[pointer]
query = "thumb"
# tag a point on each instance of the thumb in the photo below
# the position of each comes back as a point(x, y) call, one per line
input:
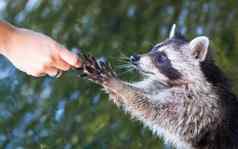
point(70, 57)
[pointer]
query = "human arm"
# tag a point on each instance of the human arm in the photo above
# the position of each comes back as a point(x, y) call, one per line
point(34, 53)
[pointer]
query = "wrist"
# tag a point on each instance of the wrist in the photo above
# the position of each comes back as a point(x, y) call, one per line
point(7, 32)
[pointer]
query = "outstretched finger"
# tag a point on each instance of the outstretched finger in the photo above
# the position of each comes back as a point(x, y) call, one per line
point(70, 58)
point(61, 64)
point(51, 71)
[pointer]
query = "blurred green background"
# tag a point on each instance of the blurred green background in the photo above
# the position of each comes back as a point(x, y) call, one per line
point(72, 113)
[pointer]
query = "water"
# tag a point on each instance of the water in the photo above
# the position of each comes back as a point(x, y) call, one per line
point(69, 112)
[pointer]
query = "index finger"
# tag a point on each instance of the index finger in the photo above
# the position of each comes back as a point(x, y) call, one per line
point(70, 58)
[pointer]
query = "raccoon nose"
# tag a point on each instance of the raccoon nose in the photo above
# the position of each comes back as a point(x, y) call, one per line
point(134, 58)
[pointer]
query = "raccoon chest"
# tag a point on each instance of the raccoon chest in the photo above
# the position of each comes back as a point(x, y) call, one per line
point(170, 138)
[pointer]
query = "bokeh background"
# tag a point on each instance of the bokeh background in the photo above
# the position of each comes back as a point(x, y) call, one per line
point(72, 113)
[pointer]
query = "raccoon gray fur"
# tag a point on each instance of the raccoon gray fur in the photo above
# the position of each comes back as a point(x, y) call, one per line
point(183, 98)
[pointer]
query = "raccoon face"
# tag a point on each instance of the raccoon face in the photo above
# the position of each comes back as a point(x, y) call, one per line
point(173, 59)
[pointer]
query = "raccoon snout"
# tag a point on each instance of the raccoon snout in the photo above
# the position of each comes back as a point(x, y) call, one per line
point(134, 58)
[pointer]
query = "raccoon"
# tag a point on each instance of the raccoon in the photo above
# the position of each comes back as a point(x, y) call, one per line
point(183, 98)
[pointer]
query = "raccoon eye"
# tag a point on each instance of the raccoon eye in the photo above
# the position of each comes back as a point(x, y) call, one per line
point(161, 58)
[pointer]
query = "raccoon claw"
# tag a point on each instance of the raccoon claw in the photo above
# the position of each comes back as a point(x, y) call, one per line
point(96, 70)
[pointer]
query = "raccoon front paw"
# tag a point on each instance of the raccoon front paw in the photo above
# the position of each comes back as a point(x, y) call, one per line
point(98, 71)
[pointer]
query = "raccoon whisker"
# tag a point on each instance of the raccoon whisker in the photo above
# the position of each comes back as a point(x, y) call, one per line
point(129, 70)
point(125, 66)
point(123, 54)
point(123, 61)
point(134, 66)
point(122, 69)
point(124, 58)
point(120, 59)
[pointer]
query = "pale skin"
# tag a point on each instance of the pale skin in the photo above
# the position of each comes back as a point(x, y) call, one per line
point(35, 53)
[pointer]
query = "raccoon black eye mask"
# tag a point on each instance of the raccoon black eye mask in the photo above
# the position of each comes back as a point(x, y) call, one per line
point(164, 65)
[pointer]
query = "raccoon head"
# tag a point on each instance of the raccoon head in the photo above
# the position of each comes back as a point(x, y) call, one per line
point(173, 60)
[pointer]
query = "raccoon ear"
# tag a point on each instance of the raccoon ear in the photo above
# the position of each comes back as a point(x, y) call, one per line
point(199, 47)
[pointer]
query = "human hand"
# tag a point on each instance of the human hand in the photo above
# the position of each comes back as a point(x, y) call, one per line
point(37, 54)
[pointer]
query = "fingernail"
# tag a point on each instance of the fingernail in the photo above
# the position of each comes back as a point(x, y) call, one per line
point(78, 64)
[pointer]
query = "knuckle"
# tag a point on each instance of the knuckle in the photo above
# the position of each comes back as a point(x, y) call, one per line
point(74, 59)
point(50, 61)
point(46, 64)
point(66, 67)
point(52, 74)
point(35, 74)
point(42, 68)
